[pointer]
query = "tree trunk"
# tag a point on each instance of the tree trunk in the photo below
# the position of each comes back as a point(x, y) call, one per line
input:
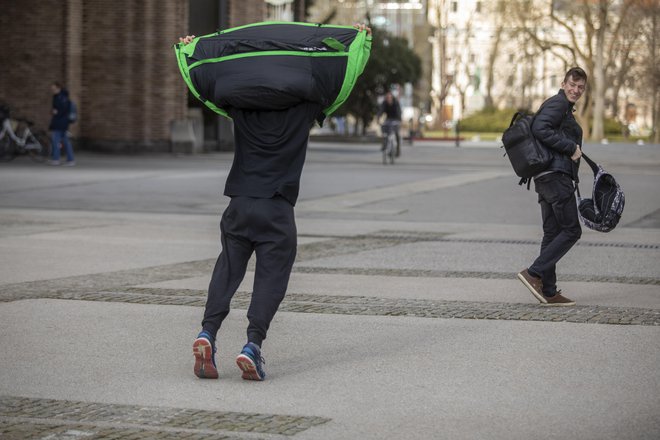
point(584, 114)
point(654, 71)
point(598, 131)
point(656, 118)
point(490, 78)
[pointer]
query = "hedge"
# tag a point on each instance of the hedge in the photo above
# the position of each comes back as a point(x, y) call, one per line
point(493, 120)
point(487, 120)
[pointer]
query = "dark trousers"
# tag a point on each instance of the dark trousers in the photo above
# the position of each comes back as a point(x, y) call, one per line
point(397, 153)
point(266, 227)
point(561, 226)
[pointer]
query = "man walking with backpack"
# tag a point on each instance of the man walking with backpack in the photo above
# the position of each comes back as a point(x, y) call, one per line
point(556, 128)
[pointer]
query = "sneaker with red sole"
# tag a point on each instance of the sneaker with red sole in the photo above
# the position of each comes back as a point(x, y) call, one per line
point(204, 352)
point(251, 363)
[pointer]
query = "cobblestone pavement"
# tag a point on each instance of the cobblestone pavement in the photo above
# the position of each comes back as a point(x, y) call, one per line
point(363, 305)
point(28, 418)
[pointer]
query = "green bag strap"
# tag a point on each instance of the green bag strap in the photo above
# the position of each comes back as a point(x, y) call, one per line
point(358, 55)
point(181, 52)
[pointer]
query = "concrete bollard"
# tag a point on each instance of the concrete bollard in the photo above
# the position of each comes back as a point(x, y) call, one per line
point(182, 137)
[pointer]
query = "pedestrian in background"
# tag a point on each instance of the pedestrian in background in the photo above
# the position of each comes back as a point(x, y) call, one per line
point(556, 128)
point(59, 124)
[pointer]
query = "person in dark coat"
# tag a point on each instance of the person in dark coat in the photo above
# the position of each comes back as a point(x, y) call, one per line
point(263, 184)
point(59, 124)
point(556, 128)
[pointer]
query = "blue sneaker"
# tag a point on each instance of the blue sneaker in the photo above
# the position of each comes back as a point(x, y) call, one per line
point(204, 352)
point(251, 362)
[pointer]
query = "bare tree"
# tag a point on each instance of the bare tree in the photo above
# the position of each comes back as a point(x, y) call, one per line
point(446, 80)
point(622, 52)
point(650, 63)
point(499, 16)
point(593, 29)
point(462, 65)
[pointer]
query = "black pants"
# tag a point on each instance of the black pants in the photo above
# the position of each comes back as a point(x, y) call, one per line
point(561, 226)
point(266, 227)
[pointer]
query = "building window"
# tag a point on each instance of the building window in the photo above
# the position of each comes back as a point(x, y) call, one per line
point(454, 6)
point(478, 8)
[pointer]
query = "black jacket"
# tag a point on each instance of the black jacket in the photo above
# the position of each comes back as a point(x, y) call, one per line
point(270, 151)
point(555, 126)
point(393, 110)
point(61, 103)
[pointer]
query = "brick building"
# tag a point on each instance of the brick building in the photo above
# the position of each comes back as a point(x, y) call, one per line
point(116, 59)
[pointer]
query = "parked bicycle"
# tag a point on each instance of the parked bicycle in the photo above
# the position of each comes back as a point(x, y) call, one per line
point(17, 137)
point(389, 129)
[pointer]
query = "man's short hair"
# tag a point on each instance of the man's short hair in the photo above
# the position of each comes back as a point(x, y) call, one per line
point(575, 73)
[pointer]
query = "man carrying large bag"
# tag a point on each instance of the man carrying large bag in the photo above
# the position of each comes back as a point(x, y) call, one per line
point(556, 128)
point(273, 80)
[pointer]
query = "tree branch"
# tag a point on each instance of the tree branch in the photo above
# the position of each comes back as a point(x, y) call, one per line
point(571, 32)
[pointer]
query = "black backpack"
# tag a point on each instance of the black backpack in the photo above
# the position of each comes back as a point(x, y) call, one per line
point(527, 155)
point(603, 211)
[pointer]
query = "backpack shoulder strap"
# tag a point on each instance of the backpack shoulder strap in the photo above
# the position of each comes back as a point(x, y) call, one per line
point(592, 164)
point(515, 116)
point(525, 180)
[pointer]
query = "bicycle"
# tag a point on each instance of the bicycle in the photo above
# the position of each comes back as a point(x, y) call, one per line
point(17, 138)
point(389, 129)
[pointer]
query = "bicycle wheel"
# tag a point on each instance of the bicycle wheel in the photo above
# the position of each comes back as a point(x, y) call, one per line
point(38, 146)
point(7, 149)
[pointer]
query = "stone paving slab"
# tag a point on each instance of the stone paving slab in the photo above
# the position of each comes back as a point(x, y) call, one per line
point(327, 255)
point(511, 290)
point(501, 258)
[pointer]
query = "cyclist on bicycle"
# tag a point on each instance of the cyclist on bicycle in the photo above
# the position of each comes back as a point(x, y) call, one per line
point(392, 110)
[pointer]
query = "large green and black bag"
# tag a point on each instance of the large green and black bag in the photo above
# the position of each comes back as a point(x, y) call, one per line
point(274, 65)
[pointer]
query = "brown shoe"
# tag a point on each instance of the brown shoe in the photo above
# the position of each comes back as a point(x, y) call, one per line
point(558, 300)
point(534, 284)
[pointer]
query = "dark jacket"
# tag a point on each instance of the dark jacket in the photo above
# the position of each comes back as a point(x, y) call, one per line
point(61, 103)
point(270, 151)
point(555, 126)
point(392, 111)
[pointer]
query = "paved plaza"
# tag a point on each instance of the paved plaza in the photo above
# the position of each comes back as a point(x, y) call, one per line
point(404, 317)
